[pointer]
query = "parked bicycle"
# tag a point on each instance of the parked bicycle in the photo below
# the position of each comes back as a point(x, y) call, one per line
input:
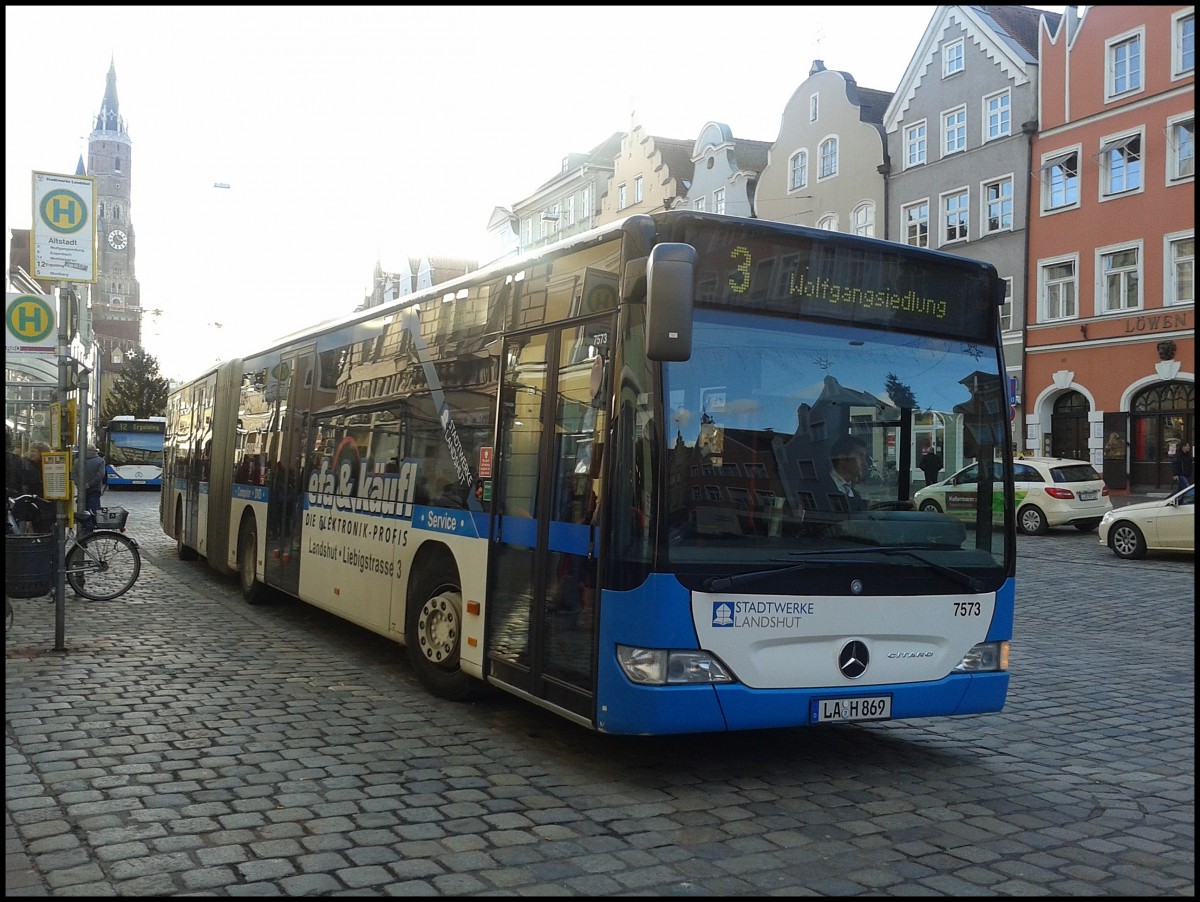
point(100, 565)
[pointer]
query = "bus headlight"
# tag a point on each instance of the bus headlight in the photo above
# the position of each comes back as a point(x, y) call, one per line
point(664, 666)
point(986, 657)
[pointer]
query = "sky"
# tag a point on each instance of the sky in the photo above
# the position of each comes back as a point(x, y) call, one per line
point(349, 135)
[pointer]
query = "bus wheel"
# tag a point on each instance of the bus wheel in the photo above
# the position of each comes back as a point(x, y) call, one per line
point(434, 637)
point(253, 591)
point(185, 553)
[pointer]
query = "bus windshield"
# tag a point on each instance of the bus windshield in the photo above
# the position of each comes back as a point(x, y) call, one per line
point(788, 437)
point(133, 451)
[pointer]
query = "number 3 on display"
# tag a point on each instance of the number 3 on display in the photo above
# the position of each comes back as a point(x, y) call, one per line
point(737, 285)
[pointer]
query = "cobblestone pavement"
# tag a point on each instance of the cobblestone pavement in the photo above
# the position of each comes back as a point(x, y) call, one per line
point(185, 743)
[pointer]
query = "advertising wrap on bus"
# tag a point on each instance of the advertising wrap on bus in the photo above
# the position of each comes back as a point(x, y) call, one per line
point(680, 504)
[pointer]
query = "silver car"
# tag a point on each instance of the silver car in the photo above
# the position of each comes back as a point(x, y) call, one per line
point(1167, 524)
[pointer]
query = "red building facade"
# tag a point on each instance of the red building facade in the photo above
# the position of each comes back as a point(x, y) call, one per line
point(1110, 346)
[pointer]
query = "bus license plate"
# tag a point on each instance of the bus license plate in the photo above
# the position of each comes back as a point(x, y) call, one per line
point(870, 707)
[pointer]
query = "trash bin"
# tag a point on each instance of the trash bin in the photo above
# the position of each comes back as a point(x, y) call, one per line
point(28, 565)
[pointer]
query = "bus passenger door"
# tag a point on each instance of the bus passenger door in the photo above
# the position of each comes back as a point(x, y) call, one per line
point(288, 390)
point(542, 616)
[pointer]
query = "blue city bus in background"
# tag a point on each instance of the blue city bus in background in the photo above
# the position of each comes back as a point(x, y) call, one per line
point(599, 476)
point(132, 448)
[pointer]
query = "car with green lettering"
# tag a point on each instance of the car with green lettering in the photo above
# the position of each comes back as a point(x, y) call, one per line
point(1048, 491)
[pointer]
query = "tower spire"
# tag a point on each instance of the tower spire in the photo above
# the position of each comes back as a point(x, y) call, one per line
point(109, 118)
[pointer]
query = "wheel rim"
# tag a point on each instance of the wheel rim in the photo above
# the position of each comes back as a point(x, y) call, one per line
point(1124, 540)
point(439, 625)
point(1031, 520)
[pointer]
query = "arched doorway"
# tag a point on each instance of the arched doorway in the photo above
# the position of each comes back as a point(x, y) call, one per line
point(1159, 418)
point(1069, 427)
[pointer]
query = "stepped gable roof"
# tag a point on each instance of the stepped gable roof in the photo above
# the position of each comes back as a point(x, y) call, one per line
point(1021, 24)
point(676, 156)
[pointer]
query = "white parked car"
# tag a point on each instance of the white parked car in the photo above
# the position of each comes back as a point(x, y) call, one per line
point(1167, 524)
point(1049, 491)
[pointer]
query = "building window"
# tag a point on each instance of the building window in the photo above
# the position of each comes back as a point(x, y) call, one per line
point(1006, 309)
point(585, 204)
point(813, 107)
point(1183, 44)
point(953, 58)
point(828, 222)
point(998, 206)
point(956, 211)
point(914, 145)
point(954, 131)
point(1181, 270)
point(829, 157)
point(997, 115)
point(798, 170)
point(571, 210)
point(1181, 148)
point(1060, 181)
point(1124, 74)
point(637, 190)
point(621, 197)
point(699, 204)
point(527, 231)
point(719, 200)
point(1057, 290)
point(116, 164)
point(916, 224)
point(862, 219)
point(1119, 278)
point(1121, 165)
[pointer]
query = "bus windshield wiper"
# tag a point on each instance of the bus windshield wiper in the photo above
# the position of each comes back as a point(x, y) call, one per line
point(963, 579)
point(721, 583)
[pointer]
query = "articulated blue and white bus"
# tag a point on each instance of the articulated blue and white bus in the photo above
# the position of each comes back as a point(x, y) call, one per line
point(626, 477)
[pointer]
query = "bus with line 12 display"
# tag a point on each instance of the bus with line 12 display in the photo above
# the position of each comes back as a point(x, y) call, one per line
point(132, 448)
point(628, 477)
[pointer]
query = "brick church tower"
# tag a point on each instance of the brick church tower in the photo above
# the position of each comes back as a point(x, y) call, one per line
point(116, 307)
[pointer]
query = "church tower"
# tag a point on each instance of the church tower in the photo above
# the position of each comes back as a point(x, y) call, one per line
point(116, 307)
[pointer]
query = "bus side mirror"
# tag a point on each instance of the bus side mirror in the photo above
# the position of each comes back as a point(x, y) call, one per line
point(670, 283)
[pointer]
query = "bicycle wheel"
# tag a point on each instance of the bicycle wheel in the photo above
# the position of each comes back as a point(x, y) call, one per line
point(103, 565)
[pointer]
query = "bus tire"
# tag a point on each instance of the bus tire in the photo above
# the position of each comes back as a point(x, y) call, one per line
point(253, 592)
point(433, 633)
point(185, 553)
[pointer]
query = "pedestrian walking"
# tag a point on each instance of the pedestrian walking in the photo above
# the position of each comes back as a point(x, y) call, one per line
point(95, 480)
point(931, 464)
point(1181, 466)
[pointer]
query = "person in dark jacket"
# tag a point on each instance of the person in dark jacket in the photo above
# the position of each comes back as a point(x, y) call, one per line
point(931, 465)
point(95, 481)
point(1181, 466)
point(836, 491)
point(14, 468)
point(33, 470)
